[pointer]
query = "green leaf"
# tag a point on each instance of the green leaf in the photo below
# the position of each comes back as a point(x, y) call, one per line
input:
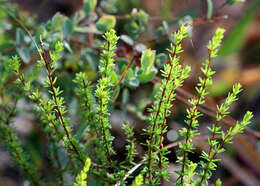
point(67, 26)
point(130, 79)
point(236, 1)
point(114, 77)
point(122, 63)
point(140, 47)
point(125, 96)
point(147, 71)
point(67, 46)
point(147, 60)
point(133, 83)
point(54, 23)
point(160, 59)
point(106, 23)
point(210, 9)
point(41, 32)
point(147, 77)
point(24, 54)
point(89, 5)
point(128, 40)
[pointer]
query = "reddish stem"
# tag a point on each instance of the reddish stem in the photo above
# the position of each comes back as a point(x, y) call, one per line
point(56, 103)
point(154, 124)
point(161, 137)
point(192, 119)
point(210, 150)
point(126, 70)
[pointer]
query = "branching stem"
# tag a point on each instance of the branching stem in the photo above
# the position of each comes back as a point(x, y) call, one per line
point(156, 116)
point(192, 118)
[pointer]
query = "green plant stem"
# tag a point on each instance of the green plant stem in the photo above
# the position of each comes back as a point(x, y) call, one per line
point(35, 182)
point(154, 123)
point(89, 109)
point(59, 169)
point(38, 101)
point(212, 158)
point(210, 151)
point(48, 68)
point(104, 134)
point(161, 136)
point(127, 69)
point(17, 154)
point(192, 118)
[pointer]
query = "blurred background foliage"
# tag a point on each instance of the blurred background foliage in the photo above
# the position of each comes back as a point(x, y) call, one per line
point(141, 24)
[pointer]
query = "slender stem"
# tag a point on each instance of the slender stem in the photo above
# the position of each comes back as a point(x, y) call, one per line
point(192, 118)
point(59, 166)
point(89, 109)
point(101, 106)
point(37, 100)
point(48, 68)
point(104, 133)
point(210, 150)
point(183, 95)
point(172, 145)
point(161, 136)
point(35, 182)
point(11, 140)
point(126, 70)
point(213, 157)
point(154, 123)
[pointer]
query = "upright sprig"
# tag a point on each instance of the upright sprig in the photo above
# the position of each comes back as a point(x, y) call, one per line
point(193, 113)
point(222, 111)
point(87, 101)
point(104, 92)
point(216, 146)
point(130, 147)
point(226, 138)
point(173, 77)
point(13, 144)
point(129, 162)
point(57, 101)
point(44, 108)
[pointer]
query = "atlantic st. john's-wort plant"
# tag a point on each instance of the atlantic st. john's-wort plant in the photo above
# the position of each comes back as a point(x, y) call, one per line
point(84, 152)
point(93, 158)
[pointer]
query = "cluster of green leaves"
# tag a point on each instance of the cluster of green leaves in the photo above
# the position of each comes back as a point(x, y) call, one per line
point(52, 111)
point(174, 76)
point(104, 93)
point(137, 24)
point(14, 146)
point(8, 135)
point(215, 145)
point(187, 172)
point(193, 113)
